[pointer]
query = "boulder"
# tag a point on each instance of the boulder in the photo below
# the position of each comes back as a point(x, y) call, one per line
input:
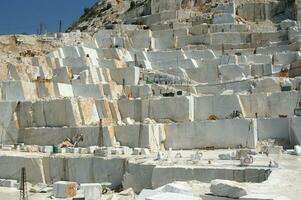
point(92, 191)
point(227, 188)
point(297, 149)
point(177, 187)
point(64, 189)
point(38, 188)
point(285, 24)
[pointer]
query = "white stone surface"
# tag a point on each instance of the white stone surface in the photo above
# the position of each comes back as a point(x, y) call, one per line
point(171, 196)
point(226, 188)
point(92, 191)
point(207, 133)
point(176, 187)
point(64, 189)
point(263, 197)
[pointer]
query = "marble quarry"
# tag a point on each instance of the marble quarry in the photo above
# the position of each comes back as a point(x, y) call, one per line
point(176, 102)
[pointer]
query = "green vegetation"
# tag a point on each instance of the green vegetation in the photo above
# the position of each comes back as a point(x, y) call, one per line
point(86, 10)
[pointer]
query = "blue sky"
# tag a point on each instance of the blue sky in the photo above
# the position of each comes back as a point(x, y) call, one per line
point(18, 16)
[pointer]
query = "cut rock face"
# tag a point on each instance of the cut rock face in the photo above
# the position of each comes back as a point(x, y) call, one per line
point(225, 188)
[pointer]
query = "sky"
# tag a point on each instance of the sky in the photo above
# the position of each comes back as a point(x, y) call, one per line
point(25, 16)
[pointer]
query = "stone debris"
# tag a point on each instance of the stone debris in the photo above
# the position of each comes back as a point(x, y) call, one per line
point(225, 188)
point(41, 188)
point(8, 183)
point(128, 192)
point(123, 195)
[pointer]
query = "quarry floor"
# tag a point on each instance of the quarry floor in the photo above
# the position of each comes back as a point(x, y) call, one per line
point(284, 180)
